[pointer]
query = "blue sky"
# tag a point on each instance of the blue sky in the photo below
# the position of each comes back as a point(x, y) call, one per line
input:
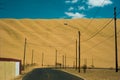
point(48, 9)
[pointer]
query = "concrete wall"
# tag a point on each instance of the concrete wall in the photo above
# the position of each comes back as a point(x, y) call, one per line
point(8, 70)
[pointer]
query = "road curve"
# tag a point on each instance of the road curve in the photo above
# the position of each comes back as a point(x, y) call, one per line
point(49, 74)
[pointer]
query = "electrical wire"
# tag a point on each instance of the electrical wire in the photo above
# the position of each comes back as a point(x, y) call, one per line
point(96, 12)
point(99, 43)
point(98, 31)
point(117, 13)
point(101, 29)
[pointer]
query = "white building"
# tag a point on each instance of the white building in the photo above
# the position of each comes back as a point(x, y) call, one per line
point(9, 68)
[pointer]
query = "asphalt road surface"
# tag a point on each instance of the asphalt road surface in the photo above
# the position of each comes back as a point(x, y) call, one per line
point(49, 74)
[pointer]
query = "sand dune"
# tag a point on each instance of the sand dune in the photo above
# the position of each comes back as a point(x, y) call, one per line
point(44, 36)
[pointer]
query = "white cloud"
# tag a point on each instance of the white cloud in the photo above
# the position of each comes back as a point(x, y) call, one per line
point(71, 8)
point(75, 15)
point(74, 1)
point(67, 1)
point(71, 1)
point(98, 3)
point(81, 8)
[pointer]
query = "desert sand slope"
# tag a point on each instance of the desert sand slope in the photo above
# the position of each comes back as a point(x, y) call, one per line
point(45, 36)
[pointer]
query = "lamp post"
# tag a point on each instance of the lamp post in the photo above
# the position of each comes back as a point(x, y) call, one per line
point(78, 45)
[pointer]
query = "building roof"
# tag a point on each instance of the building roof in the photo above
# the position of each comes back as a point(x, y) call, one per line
point(10, 59)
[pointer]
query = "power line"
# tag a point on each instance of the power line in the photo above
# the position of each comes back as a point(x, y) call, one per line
point(72, 41)
point(117, 13)
point(99, 43)
point(92, 21)
point(98, 31)
point(96, 12)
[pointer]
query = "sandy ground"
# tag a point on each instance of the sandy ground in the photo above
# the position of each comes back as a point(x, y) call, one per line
point(96, 74)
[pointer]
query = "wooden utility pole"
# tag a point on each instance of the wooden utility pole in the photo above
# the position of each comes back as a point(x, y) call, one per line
point(56, 59)
point(79, 51)
point(63, 60)
point(42, 58)
point(24, 57)
point(32, 57)
point(116, 51)
point(76, 54)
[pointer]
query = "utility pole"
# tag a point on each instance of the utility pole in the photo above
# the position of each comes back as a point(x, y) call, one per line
point(116, 51)
point(56, 59)
point(32, 57)
point(63, 60)
point(24, 57)
point(79, 51)
point(76, 55)
point(42, 58)
point(92, 63)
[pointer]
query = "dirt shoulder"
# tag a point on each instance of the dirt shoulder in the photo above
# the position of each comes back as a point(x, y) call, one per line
point(95, 74)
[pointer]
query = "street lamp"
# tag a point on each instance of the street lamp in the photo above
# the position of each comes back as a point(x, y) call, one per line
point(78, 45)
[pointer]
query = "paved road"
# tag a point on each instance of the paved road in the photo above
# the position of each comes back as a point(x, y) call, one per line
point(49, 74)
